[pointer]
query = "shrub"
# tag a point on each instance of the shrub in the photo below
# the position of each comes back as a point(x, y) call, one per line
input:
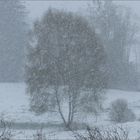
point(98, 134)
point(5, 130)
point(39, 135)
point(120, 112)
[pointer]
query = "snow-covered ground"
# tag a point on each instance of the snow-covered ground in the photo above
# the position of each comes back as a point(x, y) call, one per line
point(14, 106)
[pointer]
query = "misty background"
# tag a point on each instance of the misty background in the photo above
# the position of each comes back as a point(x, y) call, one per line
point(69, 65)
point(35, 9)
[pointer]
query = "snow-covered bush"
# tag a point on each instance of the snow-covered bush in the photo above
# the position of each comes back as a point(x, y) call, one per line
point(5, 130)
point(39, 135)
point(120, 112)
point(98, 134)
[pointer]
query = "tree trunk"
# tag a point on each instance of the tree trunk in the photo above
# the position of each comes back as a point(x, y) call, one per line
point(59, 107)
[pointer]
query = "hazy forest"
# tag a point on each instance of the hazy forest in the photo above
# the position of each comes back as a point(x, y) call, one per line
point(69, 70)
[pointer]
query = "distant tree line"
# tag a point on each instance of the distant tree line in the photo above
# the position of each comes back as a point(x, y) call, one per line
point(117, 28)
point(13, 33)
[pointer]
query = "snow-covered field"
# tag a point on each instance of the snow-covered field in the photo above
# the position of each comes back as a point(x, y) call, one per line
point(14, 106)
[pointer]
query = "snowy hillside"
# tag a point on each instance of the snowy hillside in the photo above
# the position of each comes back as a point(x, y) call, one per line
point(14, 102)
point(14, 105)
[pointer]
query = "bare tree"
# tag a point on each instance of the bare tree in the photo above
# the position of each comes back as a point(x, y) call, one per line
point(65, 64)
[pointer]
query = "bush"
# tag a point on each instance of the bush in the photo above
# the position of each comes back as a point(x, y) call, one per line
point(39, 135)
point(120, 112)
point(5, 130)
point(98, 134)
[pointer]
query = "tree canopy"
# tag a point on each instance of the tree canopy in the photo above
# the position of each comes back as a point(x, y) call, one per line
point(66, 55)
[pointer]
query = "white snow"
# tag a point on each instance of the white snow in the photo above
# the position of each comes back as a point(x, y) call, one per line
point(14, 106)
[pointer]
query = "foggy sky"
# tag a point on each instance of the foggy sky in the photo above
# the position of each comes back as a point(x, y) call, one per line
point(38, 7)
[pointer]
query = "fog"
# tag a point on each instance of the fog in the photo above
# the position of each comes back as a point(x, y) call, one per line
point(37, 8)
point(69, 70)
